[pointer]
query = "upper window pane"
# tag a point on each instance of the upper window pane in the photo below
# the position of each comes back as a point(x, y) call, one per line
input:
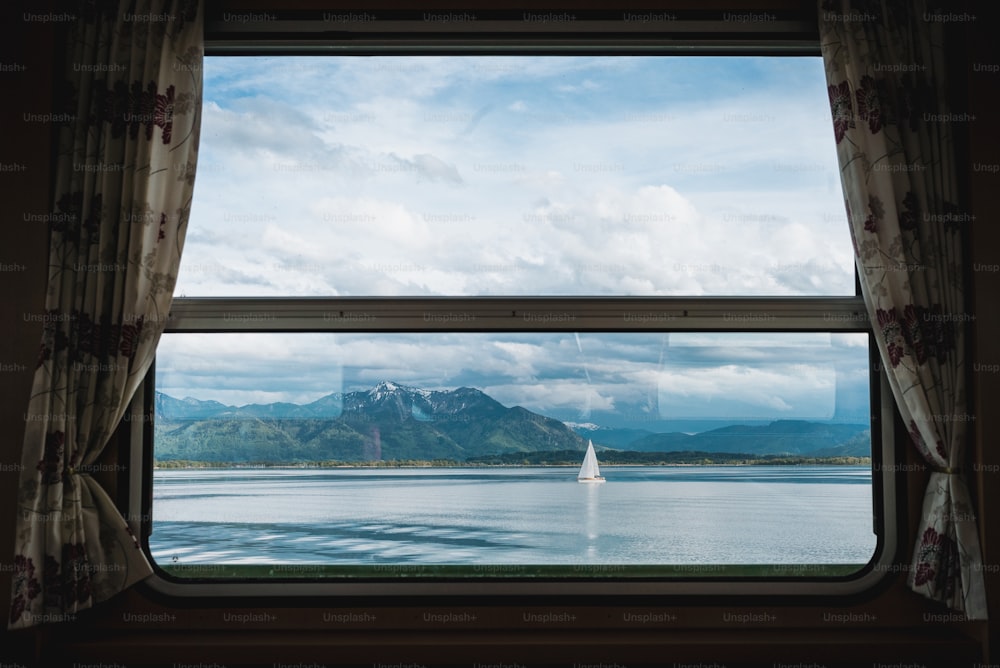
point(527, 175)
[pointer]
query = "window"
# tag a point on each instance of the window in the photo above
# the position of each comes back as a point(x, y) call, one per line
point(516, 176)
point(415, 287)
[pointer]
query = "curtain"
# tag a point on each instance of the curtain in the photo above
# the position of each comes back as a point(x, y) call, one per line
point(886, 79)
point(122, 193)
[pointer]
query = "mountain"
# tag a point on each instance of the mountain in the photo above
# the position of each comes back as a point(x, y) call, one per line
point(387, 422)
point(609, 437)
point(797, 437)
point(188, 409)
point(859, 445)
point(395, 422)
point(169, 408)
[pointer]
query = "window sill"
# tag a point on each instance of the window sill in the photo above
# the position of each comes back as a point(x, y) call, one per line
point(743, 647)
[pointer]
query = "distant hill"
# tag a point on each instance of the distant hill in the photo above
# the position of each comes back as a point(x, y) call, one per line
point(169, 408)
point(611, 437)
point(396, 422)
point(795, 437)
point(687, 457)
point(859, 445)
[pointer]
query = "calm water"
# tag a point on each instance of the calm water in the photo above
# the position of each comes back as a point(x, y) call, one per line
point(642, 515)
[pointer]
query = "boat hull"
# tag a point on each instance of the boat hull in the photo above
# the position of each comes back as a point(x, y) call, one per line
point(591, 480)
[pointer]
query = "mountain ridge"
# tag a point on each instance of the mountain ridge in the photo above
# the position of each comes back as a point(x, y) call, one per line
point(392, 421)
point(387, 421)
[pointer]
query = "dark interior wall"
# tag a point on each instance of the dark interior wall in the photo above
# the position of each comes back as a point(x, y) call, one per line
point(799, 6)
point(26, 63)
point(24, 181)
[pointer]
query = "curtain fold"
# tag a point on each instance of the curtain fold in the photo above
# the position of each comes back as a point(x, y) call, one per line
point(886, 77)
point(123, 185)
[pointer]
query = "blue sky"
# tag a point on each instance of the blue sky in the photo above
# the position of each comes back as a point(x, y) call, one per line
point(679, 176)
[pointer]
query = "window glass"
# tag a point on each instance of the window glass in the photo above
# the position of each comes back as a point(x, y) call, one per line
point(463, 449)
point(516, 175)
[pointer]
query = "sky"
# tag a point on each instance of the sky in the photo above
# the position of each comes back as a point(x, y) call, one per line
point(472, 176)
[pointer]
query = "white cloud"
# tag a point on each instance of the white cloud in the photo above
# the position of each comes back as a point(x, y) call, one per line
point(791, 390)
point(614, 217)
point(584, 86)
point(550, 396)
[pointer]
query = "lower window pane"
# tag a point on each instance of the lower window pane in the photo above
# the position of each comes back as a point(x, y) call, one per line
point(461, 454)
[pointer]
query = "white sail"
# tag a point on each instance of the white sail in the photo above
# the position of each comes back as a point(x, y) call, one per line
point(590, 471)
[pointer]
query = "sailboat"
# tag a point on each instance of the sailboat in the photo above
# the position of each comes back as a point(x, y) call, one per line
point(590, 471)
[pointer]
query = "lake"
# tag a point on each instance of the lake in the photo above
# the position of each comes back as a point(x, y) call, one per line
point(642, 515)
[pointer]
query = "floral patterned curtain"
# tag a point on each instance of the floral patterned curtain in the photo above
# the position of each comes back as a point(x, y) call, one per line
point(123, 186)
point(885, 73)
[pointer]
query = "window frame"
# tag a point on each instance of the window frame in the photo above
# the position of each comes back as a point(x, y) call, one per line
point(590, 314)
point(220, 315)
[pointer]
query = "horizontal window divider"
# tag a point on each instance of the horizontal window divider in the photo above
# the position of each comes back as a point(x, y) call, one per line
point(361, 44)
point(620, 22)
point(371, 314)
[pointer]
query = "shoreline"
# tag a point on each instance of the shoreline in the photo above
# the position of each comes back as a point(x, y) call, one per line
point(740, 462)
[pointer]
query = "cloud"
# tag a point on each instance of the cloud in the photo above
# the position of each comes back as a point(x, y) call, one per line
point(810, 394)
point(584, 86)
point(475, 120)
point(551, 396)
point(638, 199)
point(434, 168)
